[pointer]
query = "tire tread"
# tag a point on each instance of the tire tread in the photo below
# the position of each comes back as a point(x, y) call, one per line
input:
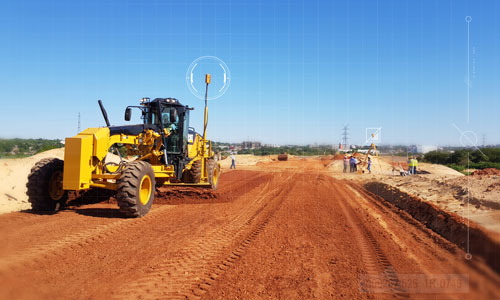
point(127, 194)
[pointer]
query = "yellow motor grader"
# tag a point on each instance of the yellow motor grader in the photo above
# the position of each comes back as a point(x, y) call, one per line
point(165, 151)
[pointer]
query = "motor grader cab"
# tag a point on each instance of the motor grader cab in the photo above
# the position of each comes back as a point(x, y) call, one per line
point(163, 149)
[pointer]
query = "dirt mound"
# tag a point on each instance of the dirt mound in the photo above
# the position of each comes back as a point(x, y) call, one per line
point(492, 187)
point(338, 157)
point(282, 157)
point(449, 225)
point(487, 171)
point(185, 195)
point(246, 160)
point(357, 154)
point(423, 168)
point(439, 170)
point(396, 164)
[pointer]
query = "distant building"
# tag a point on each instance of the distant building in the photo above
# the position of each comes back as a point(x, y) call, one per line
point(250, 145)
point(422, 148)
point(236, 148)
point(426, 148)
point(271, 145)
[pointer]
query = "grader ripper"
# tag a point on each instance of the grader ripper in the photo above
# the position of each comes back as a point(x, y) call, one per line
point(166, 150)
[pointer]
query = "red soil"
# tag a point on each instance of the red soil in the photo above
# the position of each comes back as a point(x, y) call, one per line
point(487, 171)
point(287, 233)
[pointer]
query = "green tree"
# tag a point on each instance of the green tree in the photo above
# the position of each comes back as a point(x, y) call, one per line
point(459, 157)
point(437, 157)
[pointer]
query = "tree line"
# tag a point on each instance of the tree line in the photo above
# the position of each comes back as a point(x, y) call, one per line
point(466, 158)
point(12, 148)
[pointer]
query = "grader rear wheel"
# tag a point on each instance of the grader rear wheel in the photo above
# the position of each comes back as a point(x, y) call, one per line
point(136, 189)
point(45, 191)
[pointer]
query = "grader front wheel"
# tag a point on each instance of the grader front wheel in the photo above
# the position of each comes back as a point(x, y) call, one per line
point(136, 189)
point(194, 174)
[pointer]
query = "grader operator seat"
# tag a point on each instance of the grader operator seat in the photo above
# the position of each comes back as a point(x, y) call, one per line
point(170, 120)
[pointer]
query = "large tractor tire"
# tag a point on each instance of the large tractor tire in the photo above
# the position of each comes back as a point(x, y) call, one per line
point(45, 186)
point(213, 170)
point(136, 189)
point(194, 174)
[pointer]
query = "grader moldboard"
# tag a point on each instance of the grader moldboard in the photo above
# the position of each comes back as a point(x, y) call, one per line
point(166, 150)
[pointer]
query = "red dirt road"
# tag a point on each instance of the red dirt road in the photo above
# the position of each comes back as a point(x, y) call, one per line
point(283, 234)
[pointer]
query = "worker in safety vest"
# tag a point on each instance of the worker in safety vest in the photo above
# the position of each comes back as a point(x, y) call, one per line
point(410, 165)
point(415, 165)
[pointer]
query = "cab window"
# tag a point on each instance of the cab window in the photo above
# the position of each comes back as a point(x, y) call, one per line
point(170, 120)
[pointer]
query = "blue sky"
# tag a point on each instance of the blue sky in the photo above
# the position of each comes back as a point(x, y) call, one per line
point(300, 70)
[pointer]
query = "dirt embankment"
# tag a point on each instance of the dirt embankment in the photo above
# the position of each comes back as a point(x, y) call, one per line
point(487, 171)
point(466, 234)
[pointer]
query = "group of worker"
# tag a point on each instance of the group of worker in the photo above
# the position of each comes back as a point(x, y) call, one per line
point(412, 165)
point(353, 162)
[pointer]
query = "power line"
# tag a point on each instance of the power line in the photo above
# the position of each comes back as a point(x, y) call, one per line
point(345, 136)
point(79, 123)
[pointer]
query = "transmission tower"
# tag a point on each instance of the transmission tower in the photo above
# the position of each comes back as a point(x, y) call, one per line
point(345, 136)
point(484, 140)
point(79, 128)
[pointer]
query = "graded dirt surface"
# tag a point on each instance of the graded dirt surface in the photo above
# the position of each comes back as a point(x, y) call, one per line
point(274, 230)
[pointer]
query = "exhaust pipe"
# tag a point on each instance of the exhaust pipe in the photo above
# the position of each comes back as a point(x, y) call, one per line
point(104, 113)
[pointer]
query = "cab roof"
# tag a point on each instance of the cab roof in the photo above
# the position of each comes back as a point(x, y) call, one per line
point(168, 101)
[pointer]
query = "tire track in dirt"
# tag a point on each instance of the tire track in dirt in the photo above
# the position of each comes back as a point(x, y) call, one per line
point(79, 239)
point(375, 261)
point(57, 245)
point(190, 273)
point(302, 253)
point(209, 277)
point(322, 274)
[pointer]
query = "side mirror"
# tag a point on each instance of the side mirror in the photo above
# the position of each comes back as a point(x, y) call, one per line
point(128, 114)
point(173, 115)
